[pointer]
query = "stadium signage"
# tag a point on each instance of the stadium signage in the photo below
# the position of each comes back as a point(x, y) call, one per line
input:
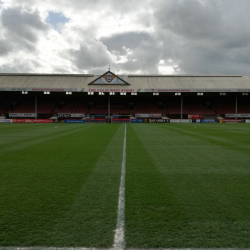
point(195, 116)
point(230, 121)
point(111, 90)
point(22, 115)
point(148, 115)
point(74, 121)
point(109, 78)
point(209, 121)
point(5, 120)
point(59, 90)
point(159, 120)
point(122, 90)
point(32, 121)
point(137, 120)
point(180, 121)
point(237, 115)
point(71, 115)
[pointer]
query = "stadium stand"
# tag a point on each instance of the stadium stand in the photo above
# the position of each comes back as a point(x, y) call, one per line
point(199, 108)
point(175, 108)
point(70, 107)
point(145, 94)
point(244, 108)
point(225, 108)
point(24, 107)
point(148, 108)
point(45, 107)
point(4, 108)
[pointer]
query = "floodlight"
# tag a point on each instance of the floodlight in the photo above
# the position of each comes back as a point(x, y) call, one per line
point(199, 93)
point(244, 93)
point(111, 93)
point(177, 93)
point(155, 93)
point(135, 93)
point(24, 92)
point(222, 93)
point(46, 92)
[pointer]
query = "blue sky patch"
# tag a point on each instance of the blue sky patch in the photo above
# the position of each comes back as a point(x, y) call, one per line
point(56, 17)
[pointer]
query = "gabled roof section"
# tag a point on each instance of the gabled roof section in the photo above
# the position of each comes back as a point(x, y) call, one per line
point(109, 78)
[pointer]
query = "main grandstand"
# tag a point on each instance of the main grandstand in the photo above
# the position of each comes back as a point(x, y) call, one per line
point(109, 98)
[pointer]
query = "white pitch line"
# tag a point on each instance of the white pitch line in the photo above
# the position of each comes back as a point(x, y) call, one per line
point(119, 240)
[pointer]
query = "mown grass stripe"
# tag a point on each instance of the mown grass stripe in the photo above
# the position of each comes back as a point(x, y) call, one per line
point(34, 140)
point(63, 193)
point(183, 190)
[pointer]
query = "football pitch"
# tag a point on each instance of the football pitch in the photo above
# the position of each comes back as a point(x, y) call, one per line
point(185, 185)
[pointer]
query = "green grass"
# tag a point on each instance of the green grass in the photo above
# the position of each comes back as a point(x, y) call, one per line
point(59, 187)
point(187, 185)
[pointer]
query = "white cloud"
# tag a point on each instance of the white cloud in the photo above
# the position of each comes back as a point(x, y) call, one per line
point(200, 36)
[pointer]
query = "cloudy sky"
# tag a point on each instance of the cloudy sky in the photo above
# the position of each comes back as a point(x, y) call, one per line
point(142, 36)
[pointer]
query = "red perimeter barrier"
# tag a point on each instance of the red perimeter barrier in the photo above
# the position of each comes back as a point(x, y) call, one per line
point(32, 121)
point(231, 121)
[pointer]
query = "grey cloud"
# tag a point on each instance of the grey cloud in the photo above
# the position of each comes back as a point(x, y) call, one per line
point(200, 36)
point(21, 30)
point(189, 18)
point(145, 50)
point(23, 25)
point(211, 36)
point(5, 47)
point(20, 68)
point(91, 54)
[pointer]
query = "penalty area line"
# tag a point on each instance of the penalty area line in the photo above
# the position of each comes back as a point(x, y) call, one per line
point(119, 239)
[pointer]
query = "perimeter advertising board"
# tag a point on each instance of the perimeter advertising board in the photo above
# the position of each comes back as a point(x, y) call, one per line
point(32, 120)
point(148, 115)
point(195, 116)
point(137, 120)
point(159, 120)
point(22, 115)
point(5, 120)
point(231, 121)
point(74, 121)
point(180, 121)
point(209, 121)
point(237, 115)
point(71, 115)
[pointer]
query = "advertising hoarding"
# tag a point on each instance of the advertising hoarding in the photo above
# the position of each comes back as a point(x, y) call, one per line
point(5, 120)
point(231, 121)
point(148, 115)
point(22, 115)
point(209, 121)
point(74, 121)
point(137, 120)
point(195, 116)
point(32, 120)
